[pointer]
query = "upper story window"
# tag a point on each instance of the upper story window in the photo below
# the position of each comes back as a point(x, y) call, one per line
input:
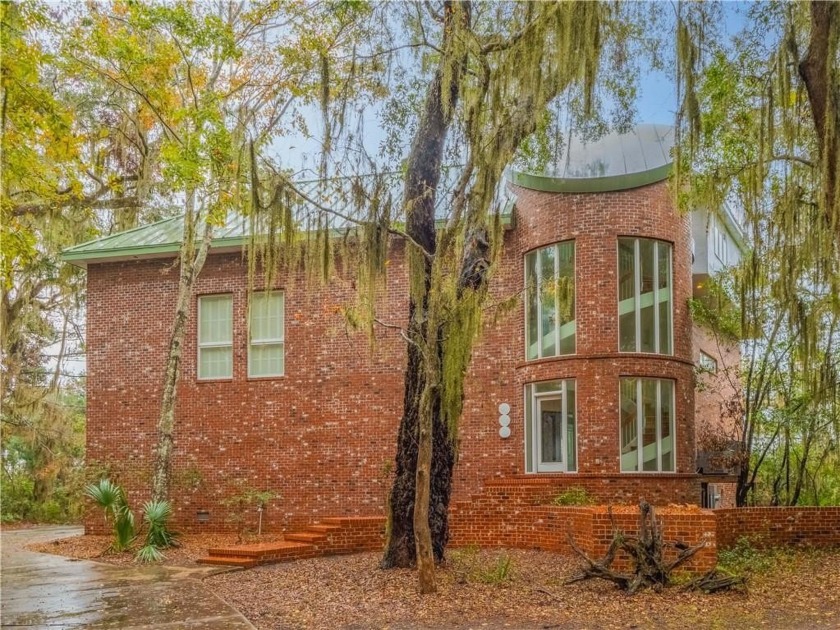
point(645, 311)
point(647, 425)
point(719, 244)
point(215, 336)
point(550, 301)
point(707, 363)
point(266, 346)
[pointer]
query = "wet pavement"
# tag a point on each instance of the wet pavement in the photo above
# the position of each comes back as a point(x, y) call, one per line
point(46, 591)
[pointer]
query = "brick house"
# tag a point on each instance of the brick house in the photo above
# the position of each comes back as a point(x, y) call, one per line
point(589, 382)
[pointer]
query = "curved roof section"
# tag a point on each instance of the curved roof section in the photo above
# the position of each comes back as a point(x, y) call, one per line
point(616, 161)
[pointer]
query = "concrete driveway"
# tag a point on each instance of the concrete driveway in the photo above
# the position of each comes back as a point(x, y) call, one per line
point(45, 591)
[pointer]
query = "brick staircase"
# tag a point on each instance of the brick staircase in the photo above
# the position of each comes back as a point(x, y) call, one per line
point(332, 536)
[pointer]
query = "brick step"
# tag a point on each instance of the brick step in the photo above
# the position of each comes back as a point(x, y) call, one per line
point(352, 520)
point(260, 551)
point(228, 561)
point(323, 528)
point(306, 537)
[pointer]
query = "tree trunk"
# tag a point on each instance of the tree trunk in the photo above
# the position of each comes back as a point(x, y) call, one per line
point(191, 263)
point(422, 177)
point(824, 97)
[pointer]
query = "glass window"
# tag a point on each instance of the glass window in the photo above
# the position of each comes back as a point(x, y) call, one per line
point(707, 363)
point(645, 313)
point(646, 430)
point(550, 427)
point(550, 301)
point(266, 348)
point(215, 336)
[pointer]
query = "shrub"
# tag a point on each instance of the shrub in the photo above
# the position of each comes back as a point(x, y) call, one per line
point(498, 573)
point(574, 496)
point(743, 558)
point(158, 535)
point(111, 498)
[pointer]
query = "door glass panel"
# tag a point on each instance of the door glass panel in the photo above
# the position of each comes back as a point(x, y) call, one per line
point(551, 430)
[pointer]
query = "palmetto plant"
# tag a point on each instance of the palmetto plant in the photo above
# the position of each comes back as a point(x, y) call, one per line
point(158, 535)
point(111, 498)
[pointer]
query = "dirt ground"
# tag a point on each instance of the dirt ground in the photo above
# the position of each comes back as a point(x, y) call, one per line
point(498, 589)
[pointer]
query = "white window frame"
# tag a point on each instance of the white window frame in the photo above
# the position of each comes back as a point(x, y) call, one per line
point(640, 426)
point(272, 341)
point(572, 325)
point(637, 298)
point(213, 344)
point(535, 466)
point(720, 244)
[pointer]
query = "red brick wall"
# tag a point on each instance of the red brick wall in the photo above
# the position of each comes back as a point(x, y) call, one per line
point(324, 435)
point(508, 521)
point(777, 526)
point(716, 392)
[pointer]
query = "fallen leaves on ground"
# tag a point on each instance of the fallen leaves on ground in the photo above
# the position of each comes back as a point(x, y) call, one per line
point(352, 592)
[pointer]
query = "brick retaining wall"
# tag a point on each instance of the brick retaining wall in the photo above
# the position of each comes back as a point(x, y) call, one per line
point(776, 526)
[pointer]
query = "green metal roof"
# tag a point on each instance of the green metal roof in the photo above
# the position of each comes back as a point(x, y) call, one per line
point(163, 238)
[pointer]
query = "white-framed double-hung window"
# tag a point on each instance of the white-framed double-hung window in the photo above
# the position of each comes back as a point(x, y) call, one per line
point(645, 301)
point(550, 301)
point(266, 347)
point(215, 337)
point(646, 433)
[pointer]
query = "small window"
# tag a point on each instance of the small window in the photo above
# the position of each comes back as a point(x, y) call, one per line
point(707, 363)
point(645, 312)
point(720, 244)
point(215, 336)
point(550, 427)
point(266, 347)
point(647, 425)
point(550, 301)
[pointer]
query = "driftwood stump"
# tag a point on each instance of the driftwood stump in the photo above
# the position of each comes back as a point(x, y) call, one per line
point(646, 551)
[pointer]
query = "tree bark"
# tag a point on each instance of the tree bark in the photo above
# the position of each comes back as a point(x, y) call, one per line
point(422, 178)
point(824, 97)
point(191, 263)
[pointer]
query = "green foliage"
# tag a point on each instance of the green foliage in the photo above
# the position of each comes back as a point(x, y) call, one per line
point(469, 565)
point(245, 505)
point(156, 515)
point(744, 558)
point(573, 496)
point(111, 498)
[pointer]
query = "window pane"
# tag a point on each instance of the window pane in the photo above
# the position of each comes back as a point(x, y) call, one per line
point(215, 362)
point(548, 296)
point(647, 329)
point(531, 308)
point(629, 442)
point(626, 295)
point(566, 296)
point(571, 442)
point(266, 316)
point(216, 319)
point(551, 430)
point(650, 459)
point(664, 283)
point(266, 360)
point(667, 411)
